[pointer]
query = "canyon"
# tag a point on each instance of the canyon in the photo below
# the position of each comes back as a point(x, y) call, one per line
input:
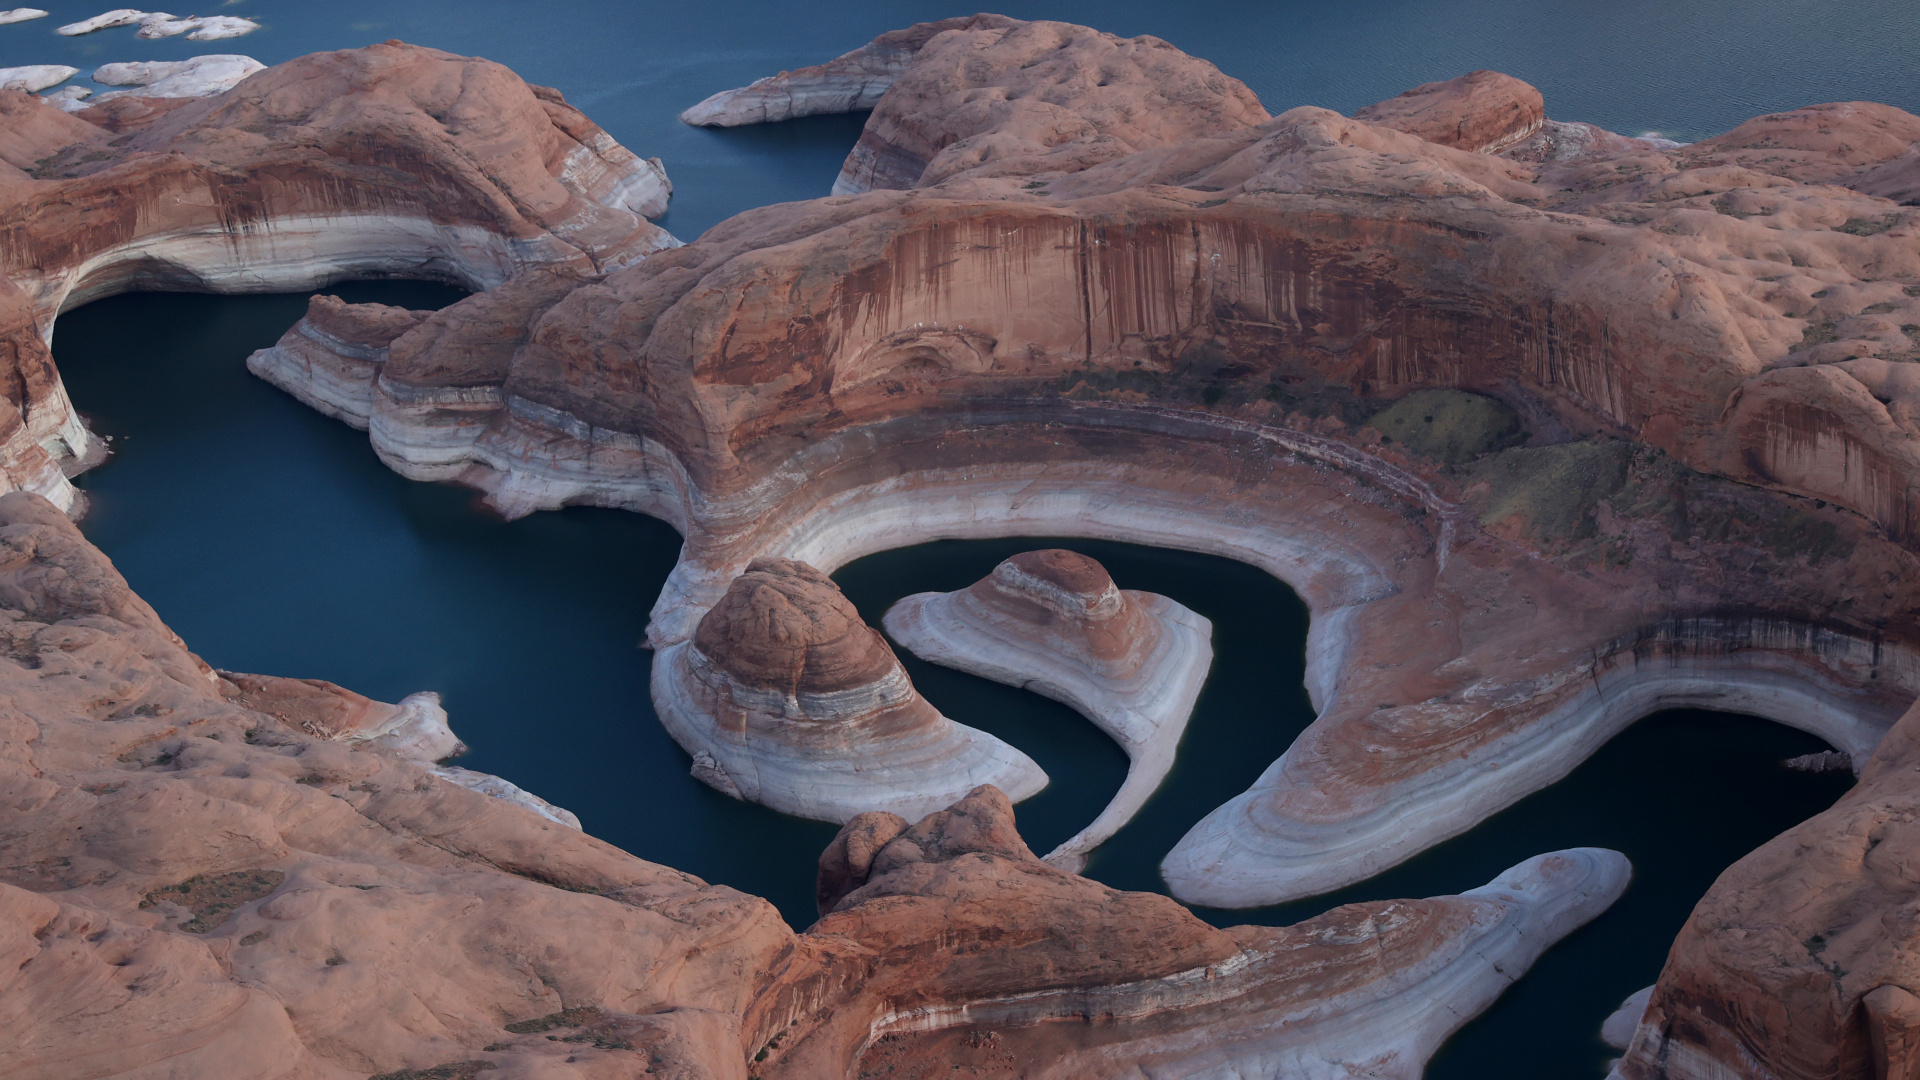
point(1550, 427)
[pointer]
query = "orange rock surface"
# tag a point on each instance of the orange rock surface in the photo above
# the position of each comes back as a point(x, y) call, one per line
point(1652, 440)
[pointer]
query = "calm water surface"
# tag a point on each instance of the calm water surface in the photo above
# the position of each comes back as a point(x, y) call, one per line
point(274, 541)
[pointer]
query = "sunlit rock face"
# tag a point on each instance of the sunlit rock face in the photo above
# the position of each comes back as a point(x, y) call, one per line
point(785, 697)
point(1054, 622)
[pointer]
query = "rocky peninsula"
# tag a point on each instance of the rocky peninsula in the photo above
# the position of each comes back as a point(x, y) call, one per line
point(1054, 622)
point(1550, 427)
point(785, 697)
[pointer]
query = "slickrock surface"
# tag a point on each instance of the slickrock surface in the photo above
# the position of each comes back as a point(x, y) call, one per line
point(1185, 346)
point(205, 875)
point(331, 358)
point(851, 82)
point(785, 697)
point(1481, 110)
point(14, 15)
point(1028, 98)
point(1799, 962)
point(1366, 990)
point(1054, 622)
point(370, 161)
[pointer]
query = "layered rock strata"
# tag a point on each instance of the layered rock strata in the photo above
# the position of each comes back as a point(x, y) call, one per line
point(1182, 346)
point(203, 874)
point(1164, 994)
point(852, 82)
point(785, 697)
point(331, 358)
point(1054, 622)
point(201, 76)
point(377, 161)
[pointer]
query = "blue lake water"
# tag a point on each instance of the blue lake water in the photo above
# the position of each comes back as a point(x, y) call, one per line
point(274, 541)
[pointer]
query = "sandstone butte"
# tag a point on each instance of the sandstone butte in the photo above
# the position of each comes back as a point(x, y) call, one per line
point(1549, 427)
point(785, 697)
point(1054, 622)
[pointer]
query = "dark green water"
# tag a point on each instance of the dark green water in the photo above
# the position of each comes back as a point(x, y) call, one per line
point(272, 539)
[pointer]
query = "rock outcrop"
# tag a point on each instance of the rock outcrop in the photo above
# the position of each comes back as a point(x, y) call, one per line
point(1368, 989)
point(1054, 622)
point(201, 76)
point(1483, 111)
point(851, 82)
point(1183, 345)
point(389, 159)
point(785, 697)
point(1801, 961)
point(206, 875)
point(331, 358)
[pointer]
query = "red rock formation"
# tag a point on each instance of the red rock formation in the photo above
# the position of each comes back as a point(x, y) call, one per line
point(785, 697)
point(1054, 622)
point(389, 158)
point(1178, 346)
point(1800, 960)
point(1481, 110)
point(848, 83)
point(1091, 317)
point(193, 887)
point(967, 940)
point(1008, 98)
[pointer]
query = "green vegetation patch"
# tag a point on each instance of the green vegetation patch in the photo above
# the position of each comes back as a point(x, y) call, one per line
point(584, 1014)
point(1868, 226)
point(212, 899)
point(1553, 490)
point(1452, 426)
point(452, 1070)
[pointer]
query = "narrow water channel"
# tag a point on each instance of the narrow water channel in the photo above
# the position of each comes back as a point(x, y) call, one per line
point(273, 540)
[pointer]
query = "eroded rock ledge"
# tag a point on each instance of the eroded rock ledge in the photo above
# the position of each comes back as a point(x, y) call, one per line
point(236, 877)
point(1054, 622)
point(785, 697)
point(388, 160)
point(1663, 457)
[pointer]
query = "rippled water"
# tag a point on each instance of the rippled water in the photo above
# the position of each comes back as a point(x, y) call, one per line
point(274, 541)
